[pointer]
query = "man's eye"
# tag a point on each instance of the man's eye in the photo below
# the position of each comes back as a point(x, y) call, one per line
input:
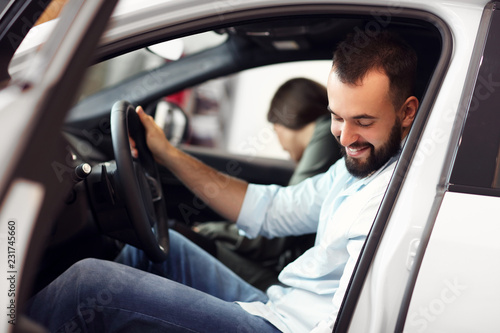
point(365, 123)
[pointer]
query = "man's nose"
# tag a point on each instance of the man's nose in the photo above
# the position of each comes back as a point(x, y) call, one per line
point(348, 135)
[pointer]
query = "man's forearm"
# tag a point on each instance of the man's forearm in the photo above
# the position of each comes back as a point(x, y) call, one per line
point(220, 191)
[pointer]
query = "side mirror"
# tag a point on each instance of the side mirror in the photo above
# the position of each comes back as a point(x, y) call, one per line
point(173, 120)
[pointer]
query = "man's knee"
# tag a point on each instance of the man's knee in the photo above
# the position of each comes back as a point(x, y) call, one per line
point(86, 269)
point(94, 275)
point(86, 265)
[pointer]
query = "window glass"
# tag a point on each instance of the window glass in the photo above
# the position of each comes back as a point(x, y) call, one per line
point(230, 113)
point(118, 69)
point(227, 114)
point(477, 164)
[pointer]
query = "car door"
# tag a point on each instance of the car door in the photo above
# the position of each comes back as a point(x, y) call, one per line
point(32, 109)
point(456, 287)
point(435, 267)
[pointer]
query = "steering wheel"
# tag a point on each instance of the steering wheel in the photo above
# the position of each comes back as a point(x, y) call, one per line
point(139, 183)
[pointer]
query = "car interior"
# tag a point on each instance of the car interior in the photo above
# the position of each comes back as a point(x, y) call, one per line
point(84, 229)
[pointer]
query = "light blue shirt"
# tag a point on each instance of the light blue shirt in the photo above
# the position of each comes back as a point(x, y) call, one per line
point(341, 209)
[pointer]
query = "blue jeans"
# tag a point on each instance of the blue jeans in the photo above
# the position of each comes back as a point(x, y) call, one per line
point(190, 292)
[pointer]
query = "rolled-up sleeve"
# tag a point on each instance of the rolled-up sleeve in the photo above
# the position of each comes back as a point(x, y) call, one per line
point(275, 211)
point(255, 205)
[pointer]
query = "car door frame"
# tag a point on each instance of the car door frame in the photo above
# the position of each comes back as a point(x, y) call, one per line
point(35, 105)
point(417, 252)
point(365, 261)
point(462, 183)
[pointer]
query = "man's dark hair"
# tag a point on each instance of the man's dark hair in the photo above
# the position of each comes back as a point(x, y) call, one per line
point(298, 102)
point(359, 53)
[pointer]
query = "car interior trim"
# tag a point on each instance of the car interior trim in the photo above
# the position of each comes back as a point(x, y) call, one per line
point(196, 24)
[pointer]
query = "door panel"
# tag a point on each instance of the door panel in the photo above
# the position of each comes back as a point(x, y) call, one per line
point(457, 286)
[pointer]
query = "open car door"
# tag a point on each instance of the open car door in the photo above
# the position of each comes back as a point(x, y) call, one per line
point(32, 110)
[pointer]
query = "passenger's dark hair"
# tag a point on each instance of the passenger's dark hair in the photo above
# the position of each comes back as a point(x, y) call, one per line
point(361, 52)
point(298, 102)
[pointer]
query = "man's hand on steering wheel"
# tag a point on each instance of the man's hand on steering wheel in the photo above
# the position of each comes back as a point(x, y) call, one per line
point(155, 138)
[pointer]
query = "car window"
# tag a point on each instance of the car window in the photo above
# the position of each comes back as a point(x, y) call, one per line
point(477, 163)
point(118, 69)
point(113, 71)
point(228, 113)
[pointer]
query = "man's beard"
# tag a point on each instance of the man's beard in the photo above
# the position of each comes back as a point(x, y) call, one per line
point(376, 159)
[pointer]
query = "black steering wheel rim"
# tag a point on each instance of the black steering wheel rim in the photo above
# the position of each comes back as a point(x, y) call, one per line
point(139, 182)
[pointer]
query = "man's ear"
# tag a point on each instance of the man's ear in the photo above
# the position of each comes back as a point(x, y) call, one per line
point(409, 111)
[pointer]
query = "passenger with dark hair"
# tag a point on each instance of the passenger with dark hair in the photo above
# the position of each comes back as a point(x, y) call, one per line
point(298, 111)
point(372, 109)
point(302, 124)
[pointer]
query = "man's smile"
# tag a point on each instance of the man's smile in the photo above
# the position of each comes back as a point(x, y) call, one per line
point(357, 151)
